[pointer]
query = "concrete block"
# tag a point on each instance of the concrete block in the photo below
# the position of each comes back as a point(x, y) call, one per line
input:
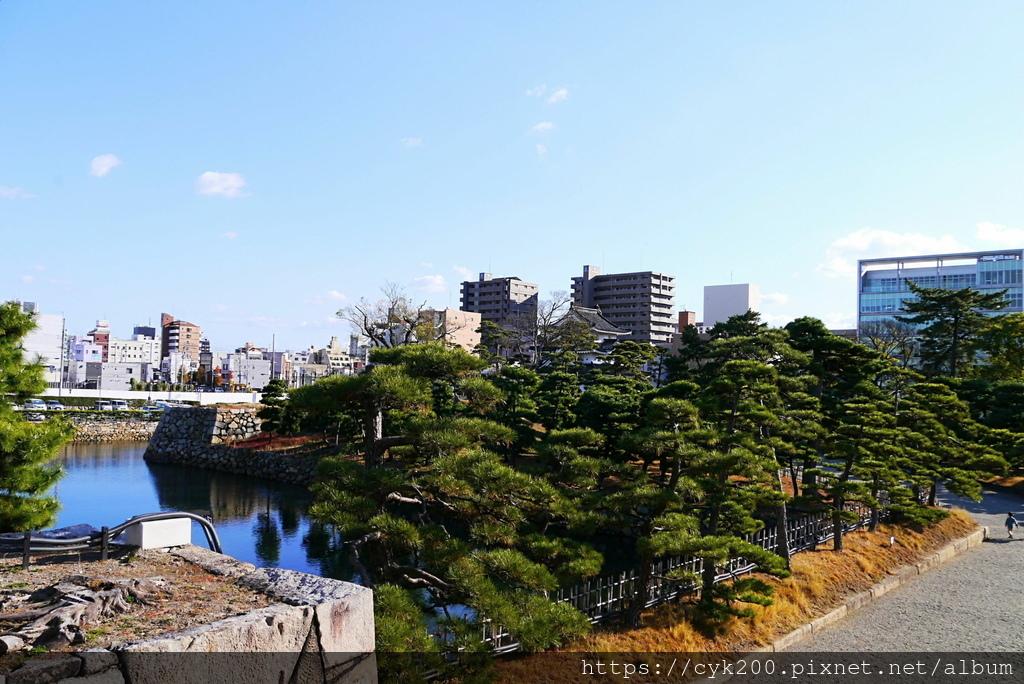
point(828, 619)
point(908, 572)
point(159, 534)
point(946, 553)
point(928, 563)
point(794, 637)
point(885, 586)
point(859, 600)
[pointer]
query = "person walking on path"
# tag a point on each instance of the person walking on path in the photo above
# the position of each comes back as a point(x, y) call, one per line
point(1010, 523)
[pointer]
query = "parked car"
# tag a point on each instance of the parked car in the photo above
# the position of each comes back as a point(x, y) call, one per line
point(35, 405)
point(119, 405)
point(152, 409)
point(54, 405)
point(104, 406)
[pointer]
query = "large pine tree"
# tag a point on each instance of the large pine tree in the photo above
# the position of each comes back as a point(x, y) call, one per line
point(26, 449)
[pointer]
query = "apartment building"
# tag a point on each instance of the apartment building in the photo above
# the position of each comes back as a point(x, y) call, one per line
point(510, 301)
point(883, 284)
point(45, 342)
point(139, 349)
point(458, 328)
point(640, 302)
point(179, 336)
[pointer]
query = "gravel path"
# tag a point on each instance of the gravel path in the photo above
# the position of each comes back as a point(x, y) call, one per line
point(974, 602)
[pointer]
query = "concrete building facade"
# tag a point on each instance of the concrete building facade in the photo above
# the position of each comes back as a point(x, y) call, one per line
point(640, 302)
point(723, 301)
point(458, 328)
point(179, 336)
point(882, 284)
point(510, 302)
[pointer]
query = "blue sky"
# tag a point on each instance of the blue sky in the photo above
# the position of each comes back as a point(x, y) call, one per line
point(253, 166)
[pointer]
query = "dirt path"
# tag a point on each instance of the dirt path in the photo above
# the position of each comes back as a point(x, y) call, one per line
point(973, 603)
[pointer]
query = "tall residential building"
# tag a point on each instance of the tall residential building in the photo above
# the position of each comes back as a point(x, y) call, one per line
point(510, 302)
point(640, 302)
point(101, 336)
point(457, 328)
point(45, 342)
point(882, 284)
point(179, 336)
point(723, 301)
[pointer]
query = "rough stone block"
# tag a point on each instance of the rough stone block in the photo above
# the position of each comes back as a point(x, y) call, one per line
point(907, 572)
point(112, 676)
point(946, 553)
point(259, 647)
point(928, 563)
point(45, 671)
point(216, 563)
point(96, 660)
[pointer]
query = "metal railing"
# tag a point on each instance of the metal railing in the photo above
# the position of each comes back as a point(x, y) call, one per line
point(102, 540)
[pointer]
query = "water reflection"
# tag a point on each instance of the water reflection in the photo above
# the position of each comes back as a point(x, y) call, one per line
point(258, 521)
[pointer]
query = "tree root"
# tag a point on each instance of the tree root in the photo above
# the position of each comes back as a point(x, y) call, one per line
point(57, 614)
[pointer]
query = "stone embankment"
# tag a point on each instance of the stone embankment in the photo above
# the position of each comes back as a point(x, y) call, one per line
point(321, 630)
point(93, 429)
point(201, 437)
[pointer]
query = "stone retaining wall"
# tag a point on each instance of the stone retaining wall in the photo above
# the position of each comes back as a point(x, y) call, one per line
point(116, 429)
point(198, 437)
point(321, 631)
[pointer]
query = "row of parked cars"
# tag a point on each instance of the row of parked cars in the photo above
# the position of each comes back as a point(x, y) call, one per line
point(101, 405)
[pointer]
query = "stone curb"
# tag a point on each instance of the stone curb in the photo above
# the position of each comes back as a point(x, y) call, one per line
point(854, 603)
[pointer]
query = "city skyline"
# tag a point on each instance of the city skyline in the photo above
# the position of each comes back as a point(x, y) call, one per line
point(253, 171)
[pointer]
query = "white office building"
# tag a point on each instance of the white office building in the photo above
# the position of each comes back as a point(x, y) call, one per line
point(721, 302)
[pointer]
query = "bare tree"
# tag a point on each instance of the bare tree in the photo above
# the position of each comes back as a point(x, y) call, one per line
point(895, 339)
point(391, 321)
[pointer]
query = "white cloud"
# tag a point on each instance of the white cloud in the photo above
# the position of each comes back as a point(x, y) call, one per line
point(335, 296)
point(542, 150)
point(542, 127)
point(426, 264)
point(839, 321)
point(775, 320)
point(40, 268)
point(412, 142)
point(14, 193)
point(775, 298)
point(463, 271)
point(229, 234)
point(101, 165)
point(994, 232)
point(431, 283)
point(558, 95)
point(537, 91)
point(225, 184)
point(28, 279)
point(842, 255)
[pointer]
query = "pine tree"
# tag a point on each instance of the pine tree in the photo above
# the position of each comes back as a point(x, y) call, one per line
point(26, 449)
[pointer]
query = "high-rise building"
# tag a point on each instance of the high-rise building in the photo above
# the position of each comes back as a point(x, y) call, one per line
point(179, 336)
point(45, 342)
point(882, 284)
point(510, 302)
point(724, 301)
point(640, 302)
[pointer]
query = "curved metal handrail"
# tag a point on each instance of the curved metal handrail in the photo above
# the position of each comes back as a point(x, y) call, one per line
point(29, 543)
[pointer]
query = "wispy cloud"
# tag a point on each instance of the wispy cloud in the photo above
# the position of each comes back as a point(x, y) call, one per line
point(330, 296)
point(15, 193)
point(551, 94)
point(842, 255)
point(223, 184)
point(101, 165)
point(412, 142)
point(426, 264)
point(28, 279)
point(542, 127)
point(430, 283)
point(463, 271)
point(995, 232)
point(40, 267)
point(542, 151)
point(558, 95)
point(229, 234)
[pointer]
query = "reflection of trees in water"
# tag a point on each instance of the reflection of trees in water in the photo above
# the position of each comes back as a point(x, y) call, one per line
point(268, 540)
point(228, 496)
point(325, 549)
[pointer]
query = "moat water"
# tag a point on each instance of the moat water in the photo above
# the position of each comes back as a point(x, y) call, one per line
point(259, 521)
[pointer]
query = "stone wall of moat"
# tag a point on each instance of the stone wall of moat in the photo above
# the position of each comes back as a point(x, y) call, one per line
point(203, 437)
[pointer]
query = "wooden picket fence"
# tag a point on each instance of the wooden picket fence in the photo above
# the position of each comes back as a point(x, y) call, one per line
point(603, 598)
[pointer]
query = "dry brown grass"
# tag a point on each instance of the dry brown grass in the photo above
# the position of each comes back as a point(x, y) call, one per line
point(821, 581)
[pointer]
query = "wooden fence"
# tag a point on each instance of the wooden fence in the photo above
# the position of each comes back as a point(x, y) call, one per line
point(603, 598)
